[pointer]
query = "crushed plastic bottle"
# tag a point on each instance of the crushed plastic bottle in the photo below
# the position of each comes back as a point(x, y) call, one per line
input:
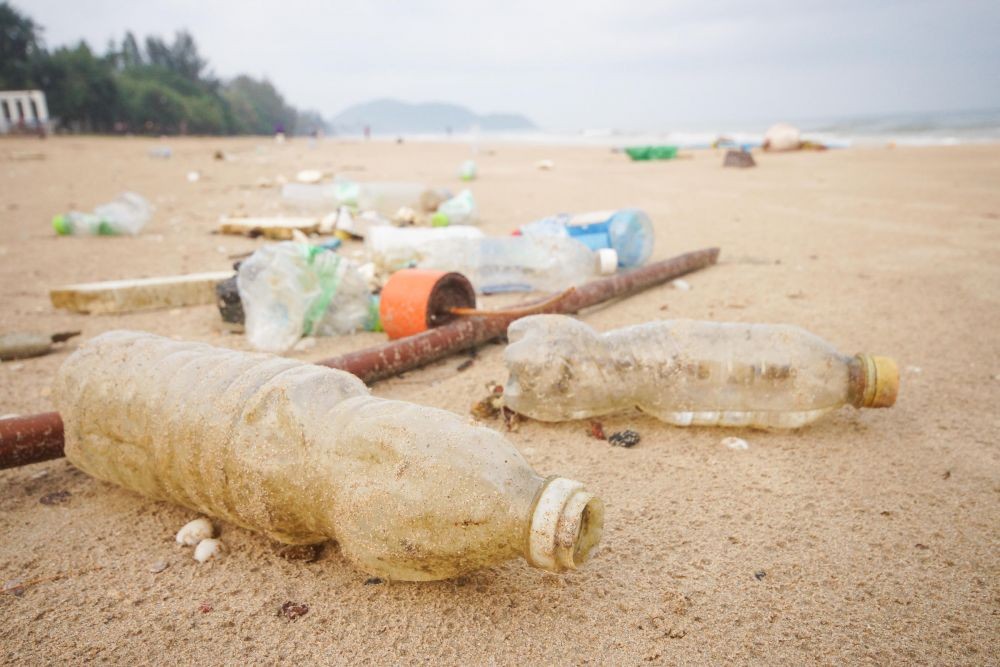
point(305, 454)
point(628, 231)
point(395, 248)
point(459, 210)
point(467, 170)
point(519, 263)
point(294, 289)
point(128, 213)
point(688, 373)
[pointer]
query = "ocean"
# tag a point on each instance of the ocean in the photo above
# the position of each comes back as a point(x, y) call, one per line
point(906, 129)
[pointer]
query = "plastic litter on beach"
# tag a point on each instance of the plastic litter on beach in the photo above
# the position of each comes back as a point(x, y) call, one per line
point(40, 437)
point(309, 482)
point(280, 229)
point(720, 374)
point(629, 232)
point(290, 289)
point(126, 214)
point(656, 152)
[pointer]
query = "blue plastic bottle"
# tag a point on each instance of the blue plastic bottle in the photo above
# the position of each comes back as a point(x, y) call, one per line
point(628, 231)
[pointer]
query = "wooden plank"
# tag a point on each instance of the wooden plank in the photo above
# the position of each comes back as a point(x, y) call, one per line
point(125, 296)
point(272, 228)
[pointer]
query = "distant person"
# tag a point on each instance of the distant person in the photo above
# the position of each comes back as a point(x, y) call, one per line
point(368, 132)
point(279, 132)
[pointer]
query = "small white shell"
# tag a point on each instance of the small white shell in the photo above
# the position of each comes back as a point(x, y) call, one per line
point(207, 549)
point(681, 285)
point(735, 443)
point(195, 531)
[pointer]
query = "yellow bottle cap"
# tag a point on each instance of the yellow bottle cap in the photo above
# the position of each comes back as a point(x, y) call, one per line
point(881, 381)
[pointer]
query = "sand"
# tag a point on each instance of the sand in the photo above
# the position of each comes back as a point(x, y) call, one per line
point(870, 537)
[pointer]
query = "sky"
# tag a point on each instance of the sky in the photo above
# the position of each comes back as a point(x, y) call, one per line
point(579, 64)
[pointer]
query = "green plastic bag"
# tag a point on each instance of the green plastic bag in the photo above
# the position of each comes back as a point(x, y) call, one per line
point(641, 153)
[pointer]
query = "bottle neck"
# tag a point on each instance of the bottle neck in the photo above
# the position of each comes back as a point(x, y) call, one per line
point(565, 525)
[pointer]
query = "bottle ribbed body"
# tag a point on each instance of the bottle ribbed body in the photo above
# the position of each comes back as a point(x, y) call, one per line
point(300, 452)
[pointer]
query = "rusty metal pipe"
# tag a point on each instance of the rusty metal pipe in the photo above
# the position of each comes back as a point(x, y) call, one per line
point(36, 438)
point(395, 357)
point(31, 439)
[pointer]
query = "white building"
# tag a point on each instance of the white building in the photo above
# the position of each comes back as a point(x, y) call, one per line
point(23, 108)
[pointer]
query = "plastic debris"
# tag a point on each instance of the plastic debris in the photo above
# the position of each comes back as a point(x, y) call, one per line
point(321, 459)
point(645, 153)
point(459, 210)
point(687, 372)
point(293, 289)
point(126, 214)
point(629, 232)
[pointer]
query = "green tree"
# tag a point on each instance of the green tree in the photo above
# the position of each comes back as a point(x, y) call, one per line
point(20, 45)
point(80, 87)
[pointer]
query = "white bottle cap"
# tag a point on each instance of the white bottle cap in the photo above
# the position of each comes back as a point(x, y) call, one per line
point(607, 261)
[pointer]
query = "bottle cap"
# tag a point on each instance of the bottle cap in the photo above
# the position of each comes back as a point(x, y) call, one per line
point(881, 381)
point(440, 219)
point(566, 525)
point(61, 225)
point(607, 261)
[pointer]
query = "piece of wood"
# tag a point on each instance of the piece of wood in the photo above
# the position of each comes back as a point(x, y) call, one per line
point(279, 229)
point(125, 296)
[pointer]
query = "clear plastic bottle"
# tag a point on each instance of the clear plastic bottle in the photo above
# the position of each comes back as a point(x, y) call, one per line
point(628, 231)
point(688, 373)
point(304, 454)
point(128, 213)
point(395, 248)
point(293, 289)
point(385, 198)
point(519, 263)
point(459, 210)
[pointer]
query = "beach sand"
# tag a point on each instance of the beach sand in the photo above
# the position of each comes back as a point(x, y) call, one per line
point(871, 537)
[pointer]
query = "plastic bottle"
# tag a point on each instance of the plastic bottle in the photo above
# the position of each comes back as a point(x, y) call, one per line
point(304, 454)
point(293, 289)
point(519, 263)
point(128, 213)
point(628, 231)
point(459, 210)
point(467, 170)
point(395, 248)
point(688, 373)
point(385, 198)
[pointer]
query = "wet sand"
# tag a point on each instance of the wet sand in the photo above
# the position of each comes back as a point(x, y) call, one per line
point(869, 537)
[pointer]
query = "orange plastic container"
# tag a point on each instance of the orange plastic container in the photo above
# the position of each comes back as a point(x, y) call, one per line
point(415, 300)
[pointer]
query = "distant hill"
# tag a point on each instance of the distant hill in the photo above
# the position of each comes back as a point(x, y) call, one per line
point(389, 116)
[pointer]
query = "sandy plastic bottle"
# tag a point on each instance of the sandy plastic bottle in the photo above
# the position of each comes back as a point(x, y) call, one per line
point(305, 454)
point(519, 263)
point(395, 248)
point(688, 373)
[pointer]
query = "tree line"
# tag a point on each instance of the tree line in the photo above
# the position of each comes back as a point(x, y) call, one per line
point(153, 87)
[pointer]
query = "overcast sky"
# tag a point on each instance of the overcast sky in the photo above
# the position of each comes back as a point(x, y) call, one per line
point(573, 64)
